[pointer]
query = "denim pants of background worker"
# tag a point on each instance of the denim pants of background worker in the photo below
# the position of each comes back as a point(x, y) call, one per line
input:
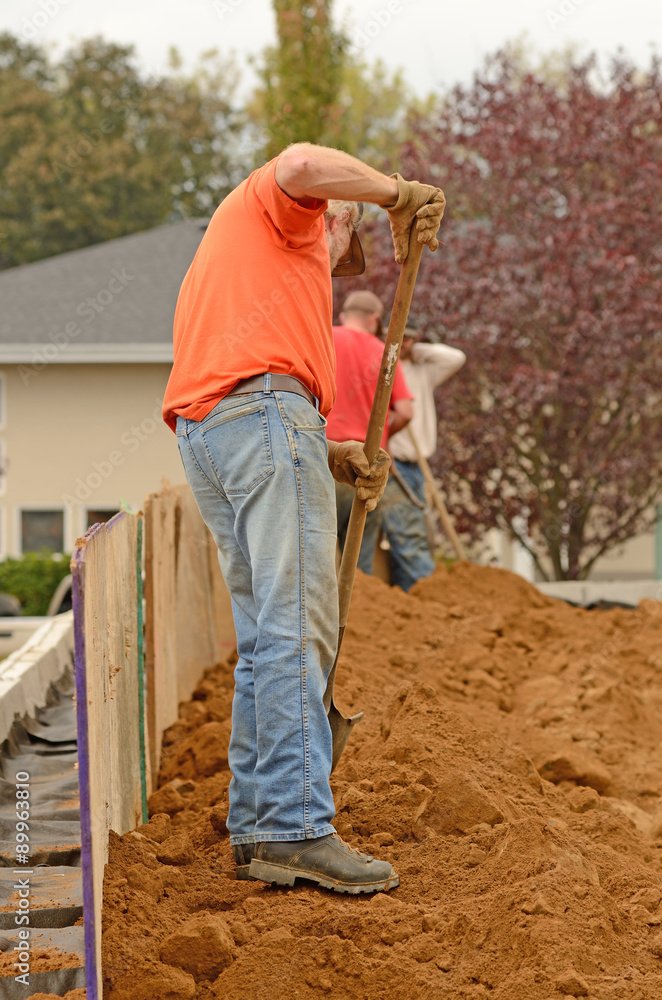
point(404, 526)
point(258, 468)
point(344, 499)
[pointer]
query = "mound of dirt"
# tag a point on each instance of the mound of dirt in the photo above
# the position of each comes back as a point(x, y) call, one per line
point(71, 995)
point(41, 960)
point(509, 765)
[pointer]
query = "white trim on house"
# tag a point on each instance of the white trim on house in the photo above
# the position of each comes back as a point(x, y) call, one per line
point(42, 355)
point(3, 467)
point(3, 401)
point(3, 532)
point(74, 525)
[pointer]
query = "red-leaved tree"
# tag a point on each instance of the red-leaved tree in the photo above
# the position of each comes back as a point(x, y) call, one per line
point(550, 280)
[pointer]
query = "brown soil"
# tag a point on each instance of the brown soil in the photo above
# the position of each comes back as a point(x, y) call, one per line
point(72, 995)
point(509, 765)
point(41, 960)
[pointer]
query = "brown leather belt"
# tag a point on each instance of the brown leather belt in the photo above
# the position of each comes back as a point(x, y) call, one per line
point(279, 383)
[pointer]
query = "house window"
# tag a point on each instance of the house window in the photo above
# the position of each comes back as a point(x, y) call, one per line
point(99, 517)
point(42, 529)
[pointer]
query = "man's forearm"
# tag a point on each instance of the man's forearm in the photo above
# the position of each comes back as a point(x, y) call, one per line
point(307, 171)
point(396, 422)
point(399, 416)
point(441, 361)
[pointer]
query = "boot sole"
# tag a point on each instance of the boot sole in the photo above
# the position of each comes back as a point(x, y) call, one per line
point(244, 873)
point(265, 871)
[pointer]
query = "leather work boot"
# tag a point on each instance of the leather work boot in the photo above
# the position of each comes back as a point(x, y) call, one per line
point(329, 861)
point(243, 854)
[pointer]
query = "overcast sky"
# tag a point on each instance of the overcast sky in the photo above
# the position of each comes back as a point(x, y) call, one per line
point(438, 43)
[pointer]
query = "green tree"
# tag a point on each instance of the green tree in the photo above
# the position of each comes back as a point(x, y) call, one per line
point(378, 105)
point(369, 118)
point(91, 150)
point(301, 77)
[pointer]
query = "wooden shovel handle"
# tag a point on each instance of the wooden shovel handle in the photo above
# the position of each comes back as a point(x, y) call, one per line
point(378, 414)
point(437, 498)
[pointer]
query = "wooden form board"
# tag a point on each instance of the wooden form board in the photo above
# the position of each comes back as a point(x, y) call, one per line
point(111, 749)
point(188, 614)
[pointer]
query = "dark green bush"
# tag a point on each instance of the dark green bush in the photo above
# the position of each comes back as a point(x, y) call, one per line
point(33, 579)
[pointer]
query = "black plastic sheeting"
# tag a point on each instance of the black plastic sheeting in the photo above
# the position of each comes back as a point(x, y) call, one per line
point(44, 748)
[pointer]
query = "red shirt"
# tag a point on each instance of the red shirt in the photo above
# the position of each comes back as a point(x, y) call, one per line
point(358, 359)
point(257, 298)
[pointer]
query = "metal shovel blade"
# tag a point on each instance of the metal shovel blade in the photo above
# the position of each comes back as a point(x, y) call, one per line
point(341, 729)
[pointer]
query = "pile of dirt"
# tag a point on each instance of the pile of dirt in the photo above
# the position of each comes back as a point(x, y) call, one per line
point(509, 765)
point(41, 960)
point(71, 995)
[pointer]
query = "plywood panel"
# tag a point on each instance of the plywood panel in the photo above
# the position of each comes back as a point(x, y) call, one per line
point(195, 618)
point(188, 627)
point(105, 592)
point(188, 614)
point(160, 620)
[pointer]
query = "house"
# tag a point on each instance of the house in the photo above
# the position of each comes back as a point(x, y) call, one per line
point(85, 354)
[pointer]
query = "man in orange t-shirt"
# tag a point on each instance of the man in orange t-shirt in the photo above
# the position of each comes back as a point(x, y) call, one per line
point(358, 359)
point(252, 381)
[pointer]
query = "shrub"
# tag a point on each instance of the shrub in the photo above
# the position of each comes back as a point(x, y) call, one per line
point(33, 579)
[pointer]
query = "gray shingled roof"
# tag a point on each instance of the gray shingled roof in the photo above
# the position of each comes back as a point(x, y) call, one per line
point(102, 302)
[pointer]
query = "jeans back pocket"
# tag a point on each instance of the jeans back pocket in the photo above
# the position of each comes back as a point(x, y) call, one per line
point(237, 446)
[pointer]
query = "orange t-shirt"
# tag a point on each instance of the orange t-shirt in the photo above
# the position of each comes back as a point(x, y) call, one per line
point(257, 298)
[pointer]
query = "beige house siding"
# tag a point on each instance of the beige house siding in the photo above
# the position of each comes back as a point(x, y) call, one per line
point(636, 560)
point(78, 437)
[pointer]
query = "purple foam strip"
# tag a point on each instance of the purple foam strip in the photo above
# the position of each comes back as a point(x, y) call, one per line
point(78, 600)
point(115, 519)
point(89, 920)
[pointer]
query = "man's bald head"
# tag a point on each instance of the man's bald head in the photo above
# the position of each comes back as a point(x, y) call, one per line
point(363, 310)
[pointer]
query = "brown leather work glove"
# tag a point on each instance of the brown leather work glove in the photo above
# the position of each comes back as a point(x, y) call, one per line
point(349, 465)
point(422, 201)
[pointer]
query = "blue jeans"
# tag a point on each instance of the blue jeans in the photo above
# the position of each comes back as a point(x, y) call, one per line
point(344, 500)
point(404, 526)
point(258, 468)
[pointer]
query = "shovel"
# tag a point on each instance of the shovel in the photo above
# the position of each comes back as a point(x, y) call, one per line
point(437, 498)
point(341, 726)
